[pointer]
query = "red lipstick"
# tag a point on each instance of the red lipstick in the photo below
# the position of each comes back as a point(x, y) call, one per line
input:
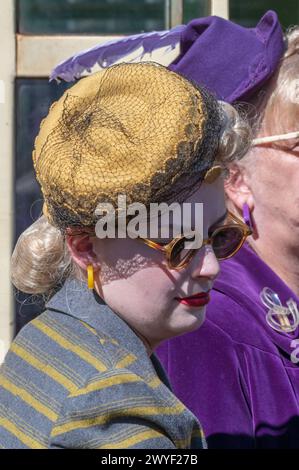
point(196, 300)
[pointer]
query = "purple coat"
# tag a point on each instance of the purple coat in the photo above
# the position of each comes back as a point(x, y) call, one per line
point(235, 373)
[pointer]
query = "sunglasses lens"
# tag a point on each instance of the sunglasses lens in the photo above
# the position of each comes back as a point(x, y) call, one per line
point(226, 241)
point(179, 254)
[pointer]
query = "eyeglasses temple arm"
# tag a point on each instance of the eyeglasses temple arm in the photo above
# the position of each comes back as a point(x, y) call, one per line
point(151, 244)
point(274, 138)
point(240, 222)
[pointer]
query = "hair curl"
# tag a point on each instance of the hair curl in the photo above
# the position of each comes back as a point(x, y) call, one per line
point(41, 260)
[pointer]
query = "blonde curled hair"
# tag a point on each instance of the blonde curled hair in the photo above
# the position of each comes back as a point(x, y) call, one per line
point(41, 259)
point(236, 135)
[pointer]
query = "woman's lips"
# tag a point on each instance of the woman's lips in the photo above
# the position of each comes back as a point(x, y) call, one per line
point(197, 300)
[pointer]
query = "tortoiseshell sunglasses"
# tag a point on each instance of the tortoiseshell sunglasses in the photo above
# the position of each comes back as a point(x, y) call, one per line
point(225, 240)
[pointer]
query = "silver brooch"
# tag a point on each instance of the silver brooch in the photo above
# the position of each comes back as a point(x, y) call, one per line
point(280, 318)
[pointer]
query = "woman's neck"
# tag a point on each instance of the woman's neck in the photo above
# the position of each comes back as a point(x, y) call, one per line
point(148, 347)
point(283, 259)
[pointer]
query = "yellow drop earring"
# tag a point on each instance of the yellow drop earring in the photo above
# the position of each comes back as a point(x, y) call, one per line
point(90, 276)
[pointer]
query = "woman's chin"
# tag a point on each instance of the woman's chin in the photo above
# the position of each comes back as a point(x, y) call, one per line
point(187, 321)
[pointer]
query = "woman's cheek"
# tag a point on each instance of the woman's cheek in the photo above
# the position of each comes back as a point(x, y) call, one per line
point(137, 283)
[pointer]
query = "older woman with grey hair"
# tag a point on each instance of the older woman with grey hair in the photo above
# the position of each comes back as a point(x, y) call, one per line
point(239, 374)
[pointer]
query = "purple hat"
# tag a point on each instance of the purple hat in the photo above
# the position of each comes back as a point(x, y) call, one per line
point(109, 52)
point(230, 60)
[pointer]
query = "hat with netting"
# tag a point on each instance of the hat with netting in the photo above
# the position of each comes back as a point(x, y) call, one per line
point(138, 130)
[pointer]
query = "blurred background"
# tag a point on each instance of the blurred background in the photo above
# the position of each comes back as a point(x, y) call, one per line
point(35, 36)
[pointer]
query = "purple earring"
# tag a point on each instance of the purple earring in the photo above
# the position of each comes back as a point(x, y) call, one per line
point(247, 216)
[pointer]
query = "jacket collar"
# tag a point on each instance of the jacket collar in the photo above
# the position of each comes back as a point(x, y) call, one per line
point(76, 300)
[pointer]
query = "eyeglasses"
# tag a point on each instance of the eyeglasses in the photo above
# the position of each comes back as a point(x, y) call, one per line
point(275, 138)
point(225, 240)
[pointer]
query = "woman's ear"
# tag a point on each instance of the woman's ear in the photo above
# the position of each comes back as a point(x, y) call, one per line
point(81, 249)
point(237, 187)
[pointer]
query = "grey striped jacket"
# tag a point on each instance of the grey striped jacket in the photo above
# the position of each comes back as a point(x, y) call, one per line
point(77, 376)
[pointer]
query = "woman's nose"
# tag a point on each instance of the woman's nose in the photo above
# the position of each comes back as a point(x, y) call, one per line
point(205, 264)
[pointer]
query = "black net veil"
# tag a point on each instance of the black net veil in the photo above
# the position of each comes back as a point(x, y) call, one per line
point(147, 135)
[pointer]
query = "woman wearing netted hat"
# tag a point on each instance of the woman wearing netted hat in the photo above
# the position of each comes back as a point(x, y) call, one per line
point(239, 372)
point(83, 373)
